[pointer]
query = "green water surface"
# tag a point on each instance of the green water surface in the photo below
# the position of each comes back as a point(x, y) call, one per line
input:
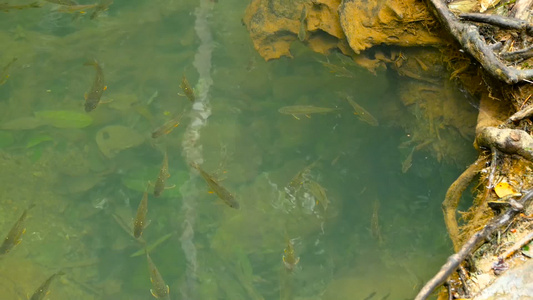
point(85, 200)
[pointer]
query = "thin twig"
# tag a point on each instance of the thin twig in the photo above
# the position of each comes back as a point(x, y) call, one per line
point(493, 165)
point(463, 276)
point(516, 246)
point(449, 288)
point(525, 101)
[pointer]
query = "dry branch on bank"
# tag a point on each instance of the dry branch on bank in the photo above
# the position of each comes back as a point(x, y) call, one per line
point(500, 21)
point(472, 244)
point(520, 115)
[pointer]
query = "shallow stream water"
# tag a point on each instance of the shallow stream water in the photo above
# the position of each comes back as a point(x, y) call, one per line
point(376, 229)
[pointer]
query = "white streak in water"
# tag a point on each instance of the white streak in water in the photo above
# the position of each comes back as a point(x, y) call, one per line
point(191, 149)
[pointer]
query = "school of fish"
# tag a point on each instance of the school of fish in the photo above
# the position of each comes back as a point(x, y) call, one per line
point(93, 99)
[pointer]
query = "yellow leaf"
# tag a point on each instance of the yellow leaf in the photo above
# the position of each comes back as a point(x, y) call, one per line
point(503, 189)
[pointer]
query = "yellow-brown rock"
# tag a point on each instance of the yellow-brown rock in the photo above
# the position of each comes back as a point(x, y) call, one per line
point(264, 20)
point(391, 22)
point(274, 26)
point(323, 16)
point(330, 24)
point(322, 44)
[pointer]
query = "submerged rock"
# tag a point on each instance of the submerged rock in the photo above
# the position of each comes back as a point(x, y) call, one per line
point(390, 22)
point(274, 25)
point(115, 138)
point(334, 24)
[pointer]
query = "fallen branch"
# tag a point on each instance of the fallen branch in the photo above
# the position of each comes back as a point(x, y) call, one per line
point(500, 21)
point(472, 244)
point(517, 55)
point(521, 114)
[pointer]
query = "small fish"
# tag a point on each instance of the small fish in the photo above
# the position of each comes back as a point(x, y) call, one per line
point(63, 2)
point(374, 225)
point(159, 185)
point(422, 65)
point(92, 98)
point(298, 180)
point(14, 237)
point(102, 6)
point(42, 291)
point(187, 89)
point(408, 162)
point(297, 110)
point(139, 223)
point(6, 7)
point(361, 113)
point(219, 190)
point(370, 296)
point(386, 297)
point(339, 71)
point(5, 71)
point(319, 192)
point(289, 258)
point(160, 289)
point(167, 127)
point(76, 8)
point(302, 33)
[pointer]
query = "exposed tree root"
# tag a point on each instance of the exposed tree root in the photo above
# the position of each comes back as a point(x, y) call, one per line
point(509, 141)
point(472, 244)
point(472, 42)
point(453, 196)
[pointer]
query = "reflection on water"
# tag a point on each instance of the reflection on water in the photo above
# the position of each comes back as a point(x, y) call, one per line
point(328, 207)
